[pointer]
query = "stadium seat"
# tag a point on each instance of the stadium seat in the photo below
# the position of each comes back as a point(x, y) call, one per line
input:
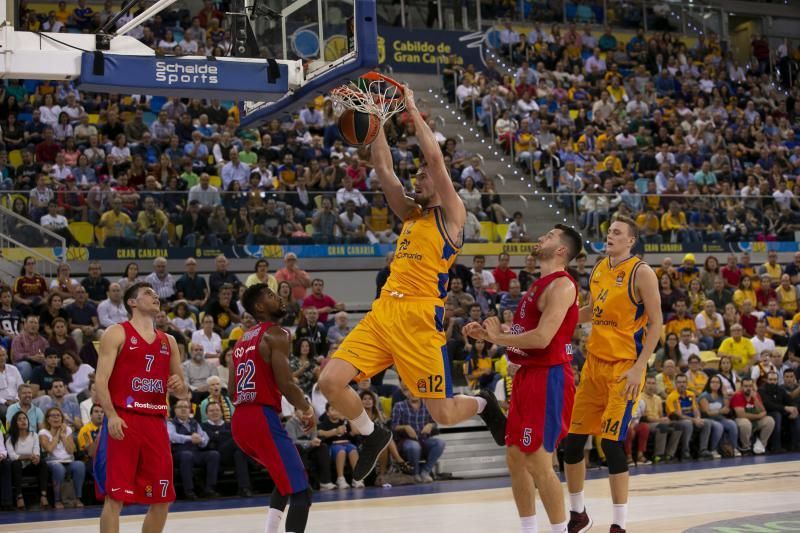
point(501, 230)
point(83, 232)
point(15, 158)
point(215, 181)
point(488, 231)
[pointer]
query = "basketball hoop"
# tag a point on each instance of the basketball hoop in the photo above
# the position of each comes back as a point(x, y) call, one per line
point(372, 93)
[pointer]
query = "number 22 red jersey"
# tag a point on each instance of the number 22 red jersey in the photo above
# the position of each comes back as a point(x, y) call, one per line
point(254, 381)
point(527, 318)
point(141, 370)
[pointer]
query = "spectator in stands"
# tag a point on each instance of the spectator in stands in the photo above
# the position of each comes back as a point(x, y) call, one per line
point(324, 303)
point(162, 281)
point(780, 406)
point(761, 341)
point(776, 323)
point(336, 432)
point(414, 429)
point(10, 380)
point(738, 348)
point(60, 340)
point(152, 225)
point(696, 378)
point(771, 267)
point(314, 452)
point(57, 441)
point(190, 448)
point(25, 455)
point(311, 328)
point(681, 319)
point(681, 405)
point(216, 395)
point(744, 292)
point(667, 432)
point(30, 289)
point(751, 416)
point(91, 400)
point(58, 397)
point(28, 347)
point(112, 310)
point(224, 311)
point(10, 318)
point(209, 339)
point(710, 326)
point(206, 194)
point(83, 322)
point(510, 300)
point(87, 436)
point(220, 439)
point(461, 300)
point(80, 374)
point(222, 276)
point(670, 351)
point(529, 273)
point(502, 273)
point(487, 300)
point(715, 406)
point(191, 287)
point(718, 293)
point(96, 285)
point(787, 295)
point(665, 379)
point(197, 370)
point(117, 225)
point(262, 275)
point(340, 328)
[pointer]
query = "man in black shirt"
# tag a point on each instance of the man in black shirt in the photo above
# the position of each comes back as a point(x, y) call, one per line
point(96, 284)
point(224, 312)
point(195, 227)
point(10, 318)
point(192, 287)
point(220, 277)
point(781, 408)
point(27, 172)
point(43, 376)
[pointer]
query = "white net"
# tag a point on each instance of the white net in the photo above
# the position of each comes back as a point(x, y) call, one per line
point(374, 96)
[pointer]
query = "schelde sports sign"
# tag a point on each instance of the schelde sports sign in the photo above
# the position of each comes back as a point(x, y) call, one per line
point(177, 76)
point(418, 51)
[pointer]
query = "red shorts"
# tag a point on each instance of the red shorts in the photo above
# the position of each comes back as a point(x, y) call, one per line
point(258, 432)
point(138, 468)
point(541, 407)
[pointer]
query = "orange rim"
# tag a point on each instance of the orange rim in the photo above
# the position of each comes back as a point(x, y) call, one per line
point(376, 76)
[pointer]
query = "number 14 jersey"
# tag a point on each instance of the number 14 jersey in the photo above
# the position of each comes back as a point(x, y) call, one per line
point(254, 381)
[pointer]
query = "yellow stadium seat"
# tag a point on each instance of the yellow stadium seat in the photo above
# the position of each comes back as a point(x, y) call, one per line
point(83, 232)
point(15, 158)
point(487, 230)
point(501, 229)
point(215, 181)
point(100, 235)
point(94, 118)
point(386, 406)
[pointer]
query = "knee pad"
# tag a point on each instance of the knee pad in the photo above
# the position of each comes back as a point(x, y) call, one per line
point(301, 499)
point(573, 448)
point(615, 456)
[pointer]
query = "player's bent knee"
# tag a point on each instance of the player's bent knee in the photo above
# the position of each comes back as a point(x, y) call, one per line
point(336, 375)
point(615, 456)
point(574, 445)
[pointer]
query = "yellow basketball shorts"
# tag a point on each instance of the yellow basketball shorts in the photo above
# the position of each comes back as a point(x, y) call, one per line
point(409, 333)
point(600, 406)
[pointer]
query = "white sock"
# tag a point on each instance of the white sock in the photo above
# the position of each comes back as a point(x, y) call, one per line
point(528, 523)
point(619, 514)
point(363, 423)
point(559, 528)
point(576, 502)
point(274, 518)
point(481, 403)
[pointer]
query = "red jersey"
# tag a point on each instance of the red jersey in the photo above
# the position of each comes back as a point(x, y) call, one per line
point(139, 379)
point(254, 381)
point(503, 278)
point(527, 317)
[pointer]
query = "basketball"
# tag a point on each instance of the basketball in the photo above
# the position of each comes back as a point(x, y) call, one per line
point(357, 128)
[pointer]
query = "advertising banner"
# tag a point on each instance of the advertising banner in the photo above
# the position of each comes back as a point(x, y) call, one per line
point(417, 51)
point(173, 76)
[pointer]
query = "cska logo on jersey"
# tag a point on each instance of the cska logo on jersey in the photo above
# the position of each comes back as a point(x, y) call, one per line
point(164, 348)
point(134, 341)
point(620, 279)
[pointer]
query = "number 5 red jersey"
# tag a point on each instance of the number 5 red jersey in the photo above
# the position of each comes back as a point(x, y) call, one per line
point(254, 381)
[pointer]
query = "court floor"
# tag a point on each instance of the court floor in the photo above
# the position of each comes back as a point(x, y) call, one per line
point(749, 494)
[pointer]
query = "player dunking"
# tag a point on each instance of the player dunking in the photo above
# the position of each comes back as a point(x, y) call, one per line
point(544, 387)
point(260, 374)
point(136, 368)
point(625, 310)
point(405, 325)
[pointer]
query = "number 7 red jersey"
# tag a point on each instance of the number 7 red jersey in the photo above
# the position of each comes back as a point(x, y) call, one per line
point(254, 381)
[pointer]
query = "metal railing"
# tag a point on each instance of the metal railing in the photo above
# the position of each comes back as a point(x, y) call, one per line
point(20, 233)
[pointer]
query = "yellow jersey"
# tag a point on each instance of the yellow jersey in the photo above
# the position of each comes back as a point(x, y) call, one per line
point(618, 320)
point(787, 299)
point(379, 218)
point(423, 257)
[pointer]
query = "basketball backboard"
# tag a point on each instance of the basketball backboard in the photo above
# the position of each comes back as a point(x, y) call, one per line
point(336, 40)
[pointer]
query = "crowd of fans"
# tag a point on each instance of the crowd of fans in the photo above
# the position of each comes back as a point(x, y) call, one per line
point(683, 138)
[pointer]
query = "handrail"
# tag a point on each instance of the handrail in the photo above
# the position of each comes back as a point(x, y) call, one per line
point(6, 211)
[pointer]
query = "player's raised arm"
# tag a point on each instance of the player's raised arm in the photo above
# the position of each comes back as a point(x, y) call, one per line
point(110, 343)
point(560, 296)
point(453, 206)
point(276, 345)
point(381, 159)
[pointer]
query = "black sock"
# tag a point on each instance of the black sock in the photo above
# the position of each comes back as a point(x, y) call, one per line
point(297, 517)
